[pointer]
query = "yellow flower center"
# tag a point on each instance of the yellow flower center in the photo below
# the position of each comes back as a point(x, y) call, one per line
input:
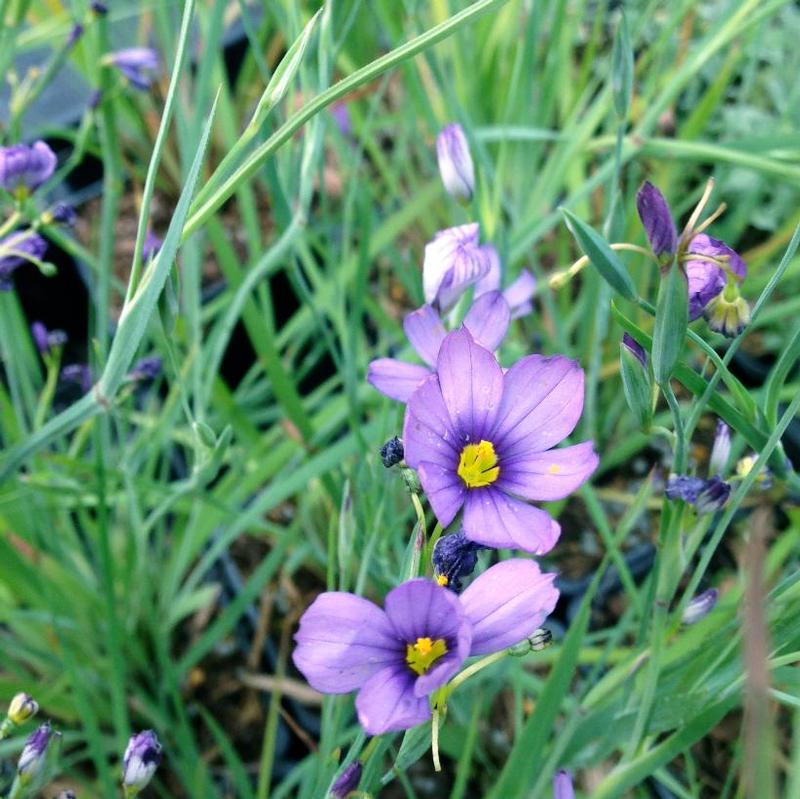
point(442, 579)
point(477, 466)
point(421, 655)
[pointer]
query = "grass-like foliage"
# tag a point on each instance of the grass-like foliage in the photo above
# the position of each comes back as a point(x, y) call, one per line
point(227, 215)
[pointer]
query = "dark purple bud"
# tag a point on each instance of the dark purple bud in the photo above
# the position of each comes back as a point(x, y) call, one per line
point(15, 250)
point(148, 368)
point(685, 488)
point(74, 35)
point(392, 452)
point(562, 786)
point(40, 337)
point(714, 495)
point(78, 373)
point(347, 781)
point(634, 347)
point(99, 8)
point(23, 166)
point(454, 557)
point(700, 606)
point(63, 214)
point(136, 64)
point(32, 760)
point(152, 244)
point(141, 760)
point(658, 222)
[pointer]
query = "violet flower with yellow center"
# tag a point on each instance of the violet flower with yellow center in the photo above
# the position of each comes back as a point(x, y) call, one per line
point(487, 320)
point(396, 657)
point(481, 439)
point(24, 168)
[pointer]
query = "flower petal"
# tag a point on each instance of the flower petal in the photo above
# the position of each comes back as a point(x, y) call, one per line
point(428, 432)
point(342, 641)
point(386, 702)
point(549, 475)
point(488, 319)
point(521, 291)
point(472, 385)
point(497, 520)
point(426, 333)
point(491, 280)
point(444, 489)
point(507, 603)
point(657, 220)
point(542, 402)
point(396, 379)
point(449, 246)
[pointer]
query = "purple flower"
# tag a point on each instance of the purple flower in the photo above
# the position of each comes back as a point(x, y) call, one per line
point(33, 757)
point(78, 373)
point(487, 320)
point(27, 167)
point(454, 557)
point(397, 657)
point(348, 781)
point(700, 606)
point(140, 762)
point(518, 295)
point(562, 786)
point(706, 495)
point(635, 348)
point(684, 487)
point(721, 450)
point(706, 279)
point(454, 261)
point(392, 452)
point(151, 246)
point(658, 223)
point(148, 368)
point(481, 439)
point(47, 340)
point(455, 163)
point(15, 250)
point(136, 63)
point(341, 116)
point(61, 214)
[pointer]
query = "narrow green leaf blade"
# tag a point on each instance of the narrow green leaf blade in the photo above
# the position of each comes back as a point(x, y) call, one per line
point(672, 319)
point(622, 69)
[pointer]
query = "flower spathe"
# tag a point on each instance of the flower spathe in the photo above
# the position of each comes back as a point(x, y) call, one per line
point(481, 439)
point(396, 657)
point(454, 261)
point(487, 320)
point(455, 162)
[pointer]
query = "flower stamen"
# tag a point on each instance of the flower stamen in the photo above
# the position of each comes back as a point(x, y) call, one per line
point(477, 466)
point(423, 653)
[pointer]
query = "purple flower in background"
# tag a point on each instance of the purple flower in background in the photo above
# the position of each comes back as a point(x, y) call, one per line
point(481, 439)
point(74, 35)
point(709, 263)
point(99, 8)
point(700, 606)
point(136, 64)
point(79, 373)
point(33, 757)
point(62, 214)
point(397, 657)
point(47, 340)
point(151, 246)
point(562, 786)
point(658, 222)
point(148, 368)
point(634, 347)
point(455, 163)
point(24, 167)
point(706, 495)
point(684, 487)
point(518, 295)
point(348, 780)
point(142, 757)
point(487, 320)
point(454, 261)
point(454, 557)
point(341, 116)
point(15, 250)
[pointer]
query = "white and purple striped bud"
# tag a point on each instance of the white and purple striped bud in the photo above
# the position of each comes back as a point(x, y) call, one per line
point(22, 707)
point(713, 496)
point(455, 163)
point(140, 762)
point(34, 755)
point(721, 450)
point(700, 606)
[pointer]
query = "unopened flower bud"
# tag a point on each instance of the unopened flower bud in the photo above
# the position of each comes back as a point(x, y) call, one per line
point(412, 480)
point(721, 450)
point(32, 760)
point(140, 762)
point(658, 222)
point(637, 382)
point(537, 642)
point(562, 786)
point(454, 557)
point(455, 163)
point(700, 606)
point(713, 496)
point(23, 707)
point(392, 452)
point(348, 781)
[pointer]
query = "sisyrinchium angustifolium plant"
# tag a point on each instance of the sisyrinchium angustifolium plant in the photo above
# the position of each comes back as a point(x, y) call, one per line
point(399, 399)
